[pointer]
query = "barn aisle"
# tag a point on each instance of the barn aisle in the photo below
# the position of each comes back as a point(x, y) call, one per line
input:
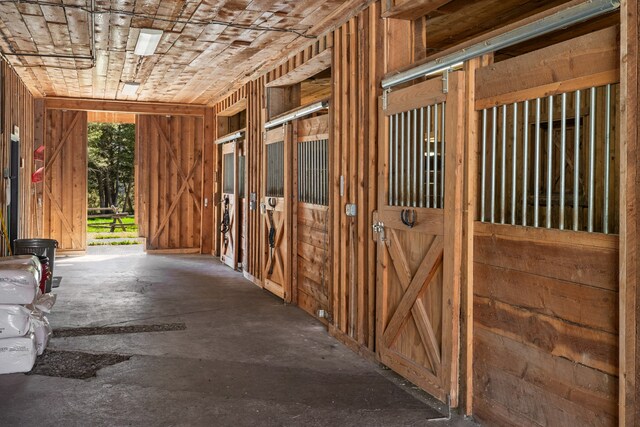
point(184, 340)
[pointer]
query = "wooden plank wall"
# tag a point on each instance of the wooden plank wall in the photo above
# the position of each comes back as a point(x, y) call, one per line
point(356, 73)
point(253, 169)
point(170, 181)
point(18, 110)
point(65, 183)
point(545, 326)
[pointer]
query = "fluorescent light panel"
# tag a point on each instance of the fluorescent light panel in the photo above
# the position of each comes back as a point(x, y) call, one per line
point(148, 40)
point(130, 88)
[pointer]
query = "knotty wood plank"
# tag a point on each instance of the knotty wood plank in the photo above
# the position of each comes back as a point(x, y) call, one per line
point(590, 266)
point(591, 389)
point(584, 305)
point(595, 349)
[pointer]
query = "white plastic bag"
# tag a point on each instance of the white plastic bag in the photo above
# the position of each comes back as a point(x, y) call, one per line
point(43, 302)
point(41, 330)
point(32, 260)
point(17, 354)
point(15, 321)
point(18, 285)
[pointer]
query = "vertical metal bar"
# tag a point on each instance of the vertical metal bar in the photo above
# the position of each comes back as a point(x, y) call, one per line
point(563, 158)
point(414, 194)
point(576, 164)
point(525, 161)
point(402, 161)
point(494, 132)
point(409, 192)
point(316, 169)
point(607, 159)
point(592, 157)
point(396, 176)
point(300, 171)
point(443, 155)
point(420, 159)
point(514, 156)
point(390, 167)
point(435, 156)
point(549, 161)
point(483, 168)
point(503, 171)
point(428, 156)
point(536, 172)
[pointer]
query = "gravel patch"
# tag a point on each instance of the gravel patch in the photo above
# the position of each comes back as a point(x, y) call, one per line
point(74, 364)
point(111, 330)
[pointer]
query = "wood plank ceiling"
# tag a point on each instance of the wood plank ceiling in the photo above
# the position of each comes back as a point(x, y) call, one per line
point(207, 46)
point(212, 46)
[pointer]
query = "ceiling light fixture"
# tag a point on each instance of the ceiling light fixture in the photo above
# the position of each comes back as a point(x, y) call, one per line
point(148, 40)
point(130, 88)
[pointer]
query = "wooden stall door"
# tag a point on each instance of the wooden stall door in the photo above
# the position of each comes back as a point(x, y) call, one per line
point(229, 246)
point(169, 171)
point(419, 239)
point(276, 213)
point(65, 183)
point(312, 254)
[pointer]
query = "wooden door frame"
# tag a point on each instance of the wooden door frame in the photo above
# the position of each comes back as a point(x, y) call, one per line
point(285, 134)
point(296, 139)
point(417, 96)
point(231, 148)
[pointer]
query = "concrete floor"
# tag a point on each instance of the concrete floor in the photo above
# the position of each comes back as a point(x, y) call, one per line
point(244, 359)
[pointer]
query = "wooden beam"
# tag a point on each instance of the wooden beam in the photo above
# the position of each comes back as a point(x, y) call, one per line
point(313, 66)
point(629, 197)
point(486, 36)
point(234, 108)
point(594, 61)
point(124, 106)
point(110, 117)
point(410, 9)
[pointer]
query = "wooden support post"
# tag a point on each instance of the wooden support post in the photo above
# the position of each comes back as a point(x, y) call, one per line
point(629, 411)
point(209, 237)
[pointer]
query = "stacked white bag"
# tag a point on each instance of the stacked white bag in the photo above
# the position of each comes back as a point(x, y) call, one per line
point(24, 328)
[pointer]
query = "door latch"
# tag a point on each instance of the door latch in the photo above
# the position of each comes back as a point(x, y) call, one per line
point(378, 227)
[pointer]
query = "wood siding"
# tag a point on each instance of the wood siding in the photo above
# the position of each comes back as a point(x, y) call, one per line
point(65, 183)
point(18, 110)
point(169, 162)
point(546, 325)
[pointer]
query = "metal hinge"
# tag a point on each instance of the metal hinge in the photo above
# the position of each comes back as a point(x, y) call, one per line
point(378, 227)
point(385, 98)
point(445, 81)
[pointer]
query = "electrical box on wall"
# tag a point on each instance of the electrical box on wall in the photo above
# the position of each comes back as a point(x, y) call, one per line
point(350, 209)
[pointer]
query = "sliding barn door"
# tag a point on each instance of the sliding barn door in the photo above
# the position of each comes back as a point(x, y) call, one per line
point(229, 207)
point(311, 250)
point(169, 173)
point(65, 183)
point(419, 233)
point(275, 211)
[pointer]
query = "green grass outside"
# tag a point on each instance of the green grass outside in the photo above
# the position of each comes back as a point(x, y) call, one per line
point(118, 243)
point(129, 223)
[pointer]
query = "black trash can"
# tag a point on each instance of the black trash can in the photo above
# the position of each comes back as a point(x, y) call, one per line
point(39, 247)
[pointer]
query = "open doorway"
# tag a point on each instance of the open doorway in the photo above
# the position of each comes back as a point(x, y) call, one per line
point(110, 180)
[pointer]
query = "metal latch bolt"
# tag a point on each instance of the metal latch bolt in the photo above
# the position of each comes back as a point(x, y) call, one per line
point(378, 227)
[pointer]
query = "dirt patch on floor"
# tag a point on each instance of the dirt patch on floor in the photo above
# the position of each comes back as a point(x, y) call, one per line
point(74, 364)
point(111, 330)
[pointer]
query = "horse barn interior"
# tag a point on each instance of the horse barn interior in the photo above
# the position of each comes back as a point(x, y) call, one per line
point(448, 189)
